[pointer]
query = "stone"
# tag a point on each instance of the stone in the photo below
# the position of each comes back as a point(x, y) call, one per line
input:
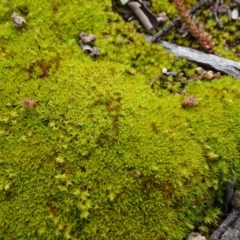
point(95, 52)
point(235, 13)
point(195, 236)
point(18, 21)
point(162, 17)
point(209, 75)
point(164, 70)
point(87, 39)
point(199, 70)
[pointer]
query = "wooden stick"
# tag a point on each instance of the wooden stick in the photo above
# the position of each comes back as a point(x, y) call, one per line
point(224, 65)
point(219, 22)
point(225, 224)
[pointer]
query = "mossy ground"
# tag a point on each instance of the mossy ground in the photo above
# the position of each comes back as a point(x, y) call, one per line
point(104, 156)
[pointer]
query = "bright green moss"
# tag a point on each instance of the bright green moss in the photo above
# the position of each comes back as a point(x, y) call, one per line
point(104, 156)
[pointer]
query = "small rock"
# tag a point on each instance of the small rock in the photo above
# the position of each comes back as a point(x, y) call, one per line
point(18, 21)
point(95, 52)
point(123, 2)
point(86, 48)
point(162, 17)
point(199, 70)
point(86, 44)
point(235, 13)
point(217, 75)
point(87, 39)
point(164, 70)
point(208, 75)
point(195, 236)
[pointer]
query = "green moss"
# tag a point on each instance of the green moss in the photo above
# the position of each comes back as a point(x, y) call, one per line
point(103, 156)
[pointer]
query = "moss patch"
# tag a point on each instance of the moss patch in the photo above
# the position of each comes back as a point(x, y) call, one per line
point(103, 156)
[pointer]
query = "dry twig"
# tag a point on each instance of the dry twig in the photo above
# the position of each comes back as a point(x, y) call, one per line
point(219, 22)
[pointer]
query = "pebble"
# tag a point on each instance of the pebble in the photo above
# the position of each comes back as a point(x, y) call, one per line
point(87, 39)
point(208, 75)
point(195, 236)
point(162, 17)
point(235, 13)
point(123, 2)
point(18, 21)
point(164, 70)
point(199, 70)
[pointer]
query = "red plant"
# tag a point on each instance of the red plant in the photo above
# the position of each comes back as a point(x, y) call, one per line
point(26, 102)
point(197, 32)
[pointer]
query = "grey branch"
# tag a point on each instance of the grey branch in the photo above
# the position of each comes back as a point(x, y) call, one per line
point(224, 65)
point(219, 22)
point(226, 223)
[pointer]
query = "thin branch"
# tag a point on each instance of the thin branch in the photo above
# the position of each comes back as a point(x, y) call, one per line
point(224, 65)
point(219, 22)
point(225, 224)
